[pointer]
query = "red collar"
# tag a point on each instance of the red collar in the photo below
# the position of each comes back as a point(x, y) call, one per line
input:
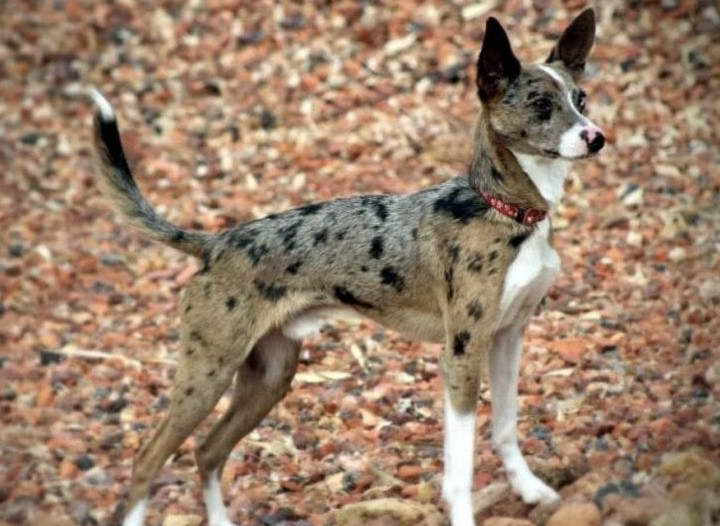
point(524, 216)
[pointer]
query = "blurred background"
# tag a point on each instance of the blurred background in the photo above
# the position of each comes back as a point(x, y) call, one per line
point(231, 110)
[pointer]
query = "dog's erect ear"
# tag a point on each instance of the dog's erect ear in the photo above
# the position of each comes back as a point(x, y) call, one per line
point(497, 66)
point(575, 43)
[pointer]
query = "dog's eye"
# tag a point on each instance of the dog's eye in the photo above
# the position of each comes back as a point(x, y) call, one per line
point(543, 108)
point(580, 97)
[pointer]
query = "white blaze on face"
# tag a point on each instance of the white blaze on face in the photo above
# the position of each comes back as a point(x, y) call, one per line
point(575, 141)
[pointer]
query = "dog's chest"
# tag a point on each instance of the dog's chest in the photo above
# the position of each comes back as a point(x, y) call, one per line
point(529, 277)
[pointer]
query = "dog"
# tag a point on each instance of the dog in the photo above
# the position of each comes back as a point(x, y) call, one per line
point(464, 263)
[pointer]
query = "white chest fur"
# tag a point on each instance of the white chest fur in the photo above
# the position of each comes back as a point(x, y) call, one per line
point(529, 277)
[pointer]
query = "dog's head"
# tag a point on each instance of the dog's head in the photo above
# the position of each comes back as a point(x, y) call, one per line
point(539, 109)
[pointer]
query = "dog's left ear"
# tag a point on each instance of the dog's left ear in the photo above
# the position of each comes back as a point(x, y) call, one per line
point(575, 43)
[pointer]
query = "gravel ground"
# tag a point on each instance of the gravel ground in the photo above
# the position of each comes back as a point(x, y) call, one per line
point(231, 110)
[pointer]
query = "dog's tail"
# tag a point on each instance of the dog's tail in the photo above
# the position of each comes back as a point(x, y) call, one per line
point(118, 184)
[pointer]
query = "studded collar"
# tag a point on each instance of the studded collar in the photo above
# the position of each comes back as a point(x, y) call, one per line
point(524, 216)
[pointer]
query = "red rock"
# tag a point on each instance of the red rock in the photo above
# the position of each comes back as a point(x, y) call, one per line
point(410, 472)
point(576, 514)
point(572, 349)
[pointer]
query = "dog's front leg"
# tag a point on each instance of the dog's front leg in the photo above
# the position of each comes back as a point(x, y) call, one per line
point(461, 363)
point(504, 370)
point(458, 455)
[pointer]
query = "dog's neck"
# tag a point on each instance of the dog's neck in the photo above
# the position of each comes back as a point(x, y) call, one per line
point(548, 175)
point(522, 180)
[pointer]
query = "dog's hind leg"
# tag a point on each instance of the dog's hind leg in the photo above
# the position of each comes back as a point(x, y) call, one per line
point(261, 382)
point(198, 386)
point(504, 369)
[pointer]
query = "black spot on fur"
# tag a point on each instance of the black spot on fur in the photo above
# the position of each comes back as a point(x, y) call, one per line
point(340, 235)
point(377, 204)
point(190, 351)
point(449, 276)
point(493, 255)
point(321, 237)
point(197, 337)
point(189, 391)
point(230, 303)
point(475, 310)
point(459, 342)
point(288, 233)
point(414, 233)
point(348, 298)
point(211, 372)
point(462, 208)
point(475, 264)
point(206, 262)
point(188, 308)
point(256, 253)
point(381, 210)
point(310, 209)
point(239, 240)
point(364, 268)
point(178, 235)
point(376, 247)
point(518, 239)
point(389, 276)
point(270, 291)
point(293, 268)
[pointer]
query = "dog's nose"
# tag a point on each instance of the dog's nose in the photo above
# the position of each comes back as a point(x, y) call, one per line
point(594, 139)
point(597, 143)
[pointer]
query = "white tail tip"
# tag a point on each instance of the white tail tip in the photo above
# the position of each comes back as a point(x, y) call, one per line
point(105, 108)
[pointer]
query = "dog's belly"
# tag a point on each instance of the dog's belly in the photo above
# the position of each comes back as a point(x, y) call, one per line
point(310, 321)
point(411, 323)
point(529, 277)
point(416, 324)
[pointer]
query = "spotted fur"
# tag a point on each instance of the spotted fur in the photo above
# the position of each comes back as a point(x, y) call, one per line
point(440, 265)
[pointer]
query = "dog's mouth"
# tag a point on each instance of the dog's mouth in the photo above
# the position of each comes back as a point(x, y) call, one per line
point(553, 154)
point(588, 155)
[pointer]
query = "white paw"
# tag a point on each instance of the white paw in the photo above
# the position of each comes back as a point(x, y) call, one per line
point(461, 512)
point(217, 513)
point(534, 491)
point(459, 501)
point(136, 516)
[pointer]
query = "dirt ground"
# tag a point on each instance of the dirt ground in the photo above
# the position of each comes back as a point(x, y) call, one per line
point(231, 110)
